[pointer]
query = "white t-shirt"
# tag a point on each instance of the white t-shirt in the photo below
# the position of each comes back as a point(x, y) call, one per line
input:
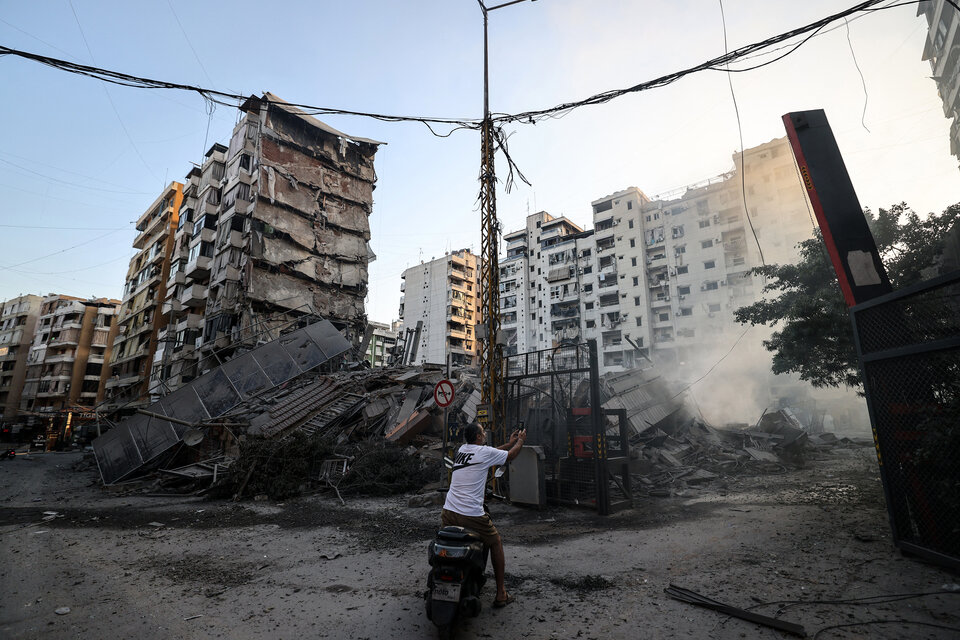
point(469, 476)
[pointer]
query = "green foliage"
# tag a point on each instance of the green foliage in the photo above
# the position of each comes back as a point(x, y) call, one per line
point(804, 303)
point(282, 468)
point(383, 468)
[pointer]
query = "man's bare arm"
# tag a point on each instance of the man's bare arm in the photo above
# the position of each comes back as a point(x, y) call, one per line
point(514, 451)
point(508, 445)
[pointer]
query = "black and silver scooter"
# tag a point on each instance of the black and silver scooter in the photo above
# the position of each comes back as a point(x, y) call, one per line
point(458, 559)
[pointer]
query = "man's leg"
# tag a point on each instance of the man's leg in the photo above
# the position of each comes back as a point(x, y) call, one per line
point(499, 562)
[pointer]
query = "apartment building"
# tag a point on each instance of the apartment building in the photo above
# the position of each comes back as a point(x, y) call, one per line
point(176, 359)
point(18, 319)
point(542, 283)
point(272, 227)
point(442, 295)
point(672, 271)
point(67, 361)
point(655, 281)
point(141, 315)
point(380, 346)
point(942, 51)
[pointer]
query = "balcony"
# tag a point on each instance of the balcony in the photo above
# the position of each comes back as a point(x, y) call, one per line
point(140, 242)
point(177, 277)
point(172, 305)
point(234, 239)
point(60, 357)
point(64, 341)
point(207, 234)
point(199, 268)
point(194, 296)
point(190, 321)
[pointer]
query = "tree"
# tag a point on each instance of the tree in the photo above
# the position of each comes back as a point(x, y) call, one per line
point(814, 337)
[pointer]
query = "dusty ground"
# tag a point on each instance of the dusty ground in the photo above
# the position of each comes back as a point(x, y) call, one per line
point(149, 567)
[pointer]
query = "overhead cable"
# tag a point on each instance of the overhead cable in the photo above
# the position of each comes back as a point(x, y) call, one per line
point(719, 63)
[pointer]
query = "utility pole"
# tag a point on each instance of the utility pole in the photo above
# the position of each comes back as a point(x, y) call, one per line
point(491, 352)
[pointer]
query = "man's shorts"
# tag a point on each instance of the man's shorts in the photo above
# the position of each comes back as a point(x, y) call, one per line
point(481, 525)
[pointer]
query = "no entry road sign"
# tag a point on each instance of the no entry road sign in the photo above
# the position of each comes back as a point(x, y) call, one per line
point(443, 393)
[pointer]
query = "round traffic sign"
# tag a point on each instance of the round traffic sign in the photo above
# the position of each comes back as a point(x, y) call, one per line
point(443, 393)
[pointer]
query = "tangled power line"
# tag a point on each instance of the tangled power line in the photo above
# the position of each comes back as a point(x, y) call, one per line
point(720, 63)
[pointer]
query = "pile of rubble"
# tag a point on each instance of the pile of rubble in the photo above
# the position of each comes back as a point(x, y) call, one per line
point(370, 431)
point(668, 460)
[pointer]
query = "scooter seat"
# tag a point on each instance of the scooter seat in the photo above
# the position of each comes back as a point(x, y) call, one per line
point(457, 534)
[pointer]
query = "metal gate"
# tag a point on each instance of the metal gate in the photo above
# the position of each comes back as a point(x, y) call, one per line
point(555, 395)
point(909, 347)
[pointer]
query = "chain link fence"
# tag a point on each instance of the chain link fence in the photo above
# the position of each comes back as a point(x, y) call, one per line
point(909, 348)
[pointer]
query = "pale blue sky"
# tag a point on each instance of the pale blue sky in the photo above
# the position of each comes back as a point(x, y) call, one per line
point(67, 160)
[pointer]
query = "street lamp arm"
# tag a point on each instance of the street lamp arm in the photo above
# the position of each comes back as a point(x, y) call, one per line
point(501, 6)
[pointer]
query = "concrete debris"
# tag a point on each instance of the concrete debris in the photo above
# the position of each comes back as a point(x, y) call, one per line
point(672, 455)
point(282, 441)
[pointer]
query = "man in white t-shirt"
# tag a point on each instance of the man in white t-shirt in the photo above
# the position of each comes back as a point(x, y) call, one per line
point(464, 504)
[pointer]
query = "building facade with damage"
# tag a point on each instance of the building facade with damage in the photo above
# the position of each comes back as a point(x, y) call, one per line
point(67, 365)
point(942, 50)
point(439, 308)
point(141, 314)
point(18, 320)
point(272, 227)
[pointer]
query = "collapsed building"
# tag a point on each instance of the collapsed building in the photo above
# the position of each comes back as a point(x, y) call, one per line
point(272, 227)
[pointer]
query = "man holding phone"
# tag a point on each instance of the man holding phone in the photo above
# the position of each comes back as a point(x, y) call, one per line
point(464, 504)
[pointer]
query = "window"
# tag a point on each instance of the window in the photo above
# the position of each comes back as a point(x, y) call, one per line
point(636, 281)
point(710, 286)
point(677, 232)
point(633, 242)
point(630, 206)
point(588, 305)
point(630, 224)
point(587, 270)
point(591, 324)
point(636, 301)
point(709, 264)
point(704, 224)
point(683, 291)
point(713, 308)
point(706, 244)
point(686, 311)
point(663, 317)
point(639, 321)
point(587, 288)
point(702, 207)
point(682, 270)
point(680, 250)
point(633, 262)
point(245, 162)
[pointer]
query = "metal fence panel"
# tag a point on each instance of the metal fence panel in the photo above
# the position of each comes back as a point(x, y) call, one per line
point(909, 348)
point(554, 394)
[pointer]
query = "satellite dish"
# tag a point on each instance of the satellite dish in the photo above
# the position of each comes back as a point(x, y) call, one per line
point(192, 437)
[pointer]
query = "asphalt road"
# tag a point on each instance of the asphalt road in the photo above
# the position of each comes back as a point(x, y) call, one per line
point(133, 566)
